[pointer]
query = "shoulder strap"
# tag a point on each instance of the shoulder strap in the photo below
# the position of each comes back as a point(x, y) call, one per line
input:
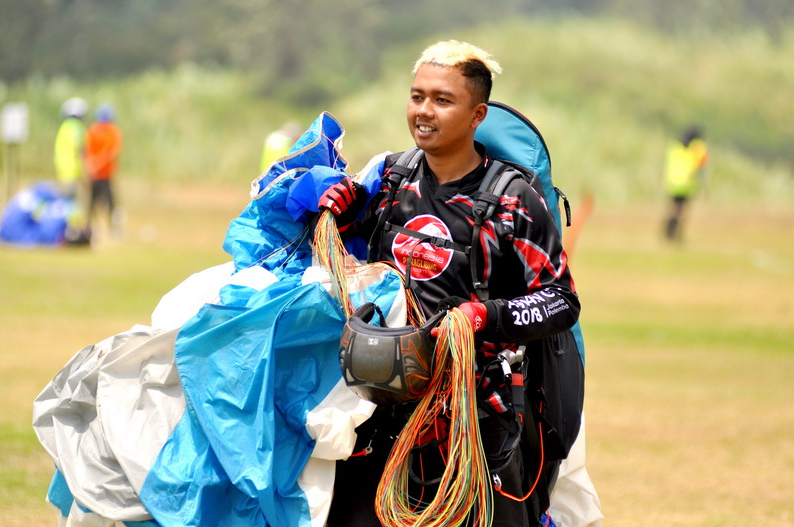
point(399, 172)
point(406, 163)
point(428, 238)
point(493, 185)
point(492, 188)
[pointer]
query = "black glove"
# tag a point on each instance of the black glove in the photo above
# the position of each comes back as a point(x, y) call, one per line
point(445, 304)
point(345, 200)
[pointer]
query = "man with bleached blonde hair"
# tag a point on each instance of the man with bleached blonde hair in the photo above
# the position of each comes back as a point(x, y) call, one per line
point(472, 60)
point(421, 221)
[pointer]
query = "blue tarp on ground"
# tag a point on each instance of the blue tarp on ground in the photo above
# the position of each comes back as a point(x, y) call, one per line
point(38, 215)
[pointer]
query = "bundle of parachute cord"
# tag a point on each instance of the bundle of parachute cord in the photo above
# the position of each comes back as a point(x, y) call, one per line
point(463, 493)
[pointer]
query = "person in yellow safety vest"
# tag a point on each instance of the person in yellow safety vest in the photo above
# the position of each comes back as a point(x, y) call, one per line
point(685, 168)
point(69, 144)
point(278, 143)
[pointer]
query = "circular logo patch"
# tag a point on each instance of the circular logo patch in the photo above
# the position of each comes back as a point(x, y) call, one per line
point(427, 260)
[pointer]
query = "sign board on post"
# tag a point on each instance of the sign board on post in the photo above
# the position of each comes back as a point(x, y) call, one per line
point(14, 132)
point(15, 123)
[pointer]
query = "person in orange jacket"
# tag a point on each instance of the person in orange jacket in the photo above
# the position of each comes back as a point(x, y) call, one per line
point(102, 147)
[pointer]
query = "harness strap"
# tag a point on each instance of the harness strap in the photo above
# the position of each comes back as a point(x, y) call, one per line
point(428, 238)
point(561, 194)
point(488, 196)
point(424, 238)
point(514, 424)
point(402, 169)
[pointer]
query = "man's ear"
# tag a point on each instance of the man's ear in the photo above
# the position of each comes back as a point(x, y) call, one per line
point(480, 111)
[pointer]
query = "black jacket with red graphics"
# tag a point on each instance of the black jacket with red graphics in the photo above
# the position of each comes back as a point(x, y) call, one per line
point(520, 254)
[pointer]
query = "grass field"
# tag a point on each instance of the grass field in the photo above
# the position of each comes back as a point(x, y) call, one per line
point(689, 348)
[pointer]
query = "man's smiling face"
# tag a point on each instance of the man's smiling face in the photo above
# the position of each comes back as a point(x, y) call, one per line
point(442, 115)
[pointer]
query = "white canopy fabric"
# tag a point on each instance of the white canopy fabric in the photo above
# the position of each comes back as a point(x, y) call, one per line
point(106, 415)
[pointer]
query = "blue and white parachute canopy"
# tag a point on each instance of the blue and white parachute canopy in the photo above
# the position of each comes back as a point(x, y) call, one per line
point(230, 409)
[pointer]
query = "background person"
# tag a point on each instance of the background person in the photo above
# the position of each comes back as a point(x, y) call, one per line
point(102, 148)
point(69, 145)
point(526, 269)
point(278, 143)
point(685, 168)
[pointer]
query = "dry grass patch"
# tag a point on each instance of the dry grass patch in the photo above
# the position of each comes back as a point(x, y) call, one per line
point(689, 351)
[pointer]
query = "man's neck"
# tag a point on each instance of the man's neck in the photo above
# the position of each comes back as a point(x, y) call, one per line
point(451, 168)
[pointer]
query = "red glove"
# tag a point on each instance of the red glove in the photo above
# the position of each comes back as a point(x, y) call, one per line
point(339, 197)
point(477, 314)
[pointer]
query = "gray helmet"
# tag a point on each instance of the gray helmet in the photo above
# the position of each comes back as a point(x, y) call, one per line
point(386, 365)
point(74, 107)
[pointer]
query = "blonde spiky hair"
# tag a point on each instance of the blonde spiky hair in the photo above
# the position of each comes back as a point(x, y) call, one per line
point(452, 53)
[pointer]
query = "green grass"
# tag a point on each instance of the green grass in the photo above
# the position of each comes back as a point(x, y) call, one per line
point(689, 359)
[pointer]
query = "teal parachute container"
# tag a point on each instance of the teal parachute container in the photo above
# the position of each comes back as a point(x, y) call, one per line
point(510, 135)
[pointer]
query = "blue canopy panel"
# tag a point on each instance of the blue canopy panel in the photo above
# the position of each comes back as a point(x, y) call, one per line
point(253, 375)
point(266, 233)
